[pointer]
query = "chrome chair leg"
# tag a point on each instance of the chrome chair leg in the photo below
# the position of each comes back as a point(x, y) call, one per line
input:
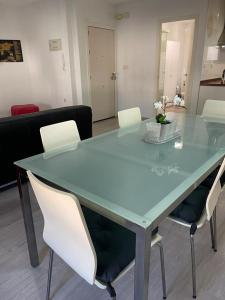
point(212, 233)
point(163, 270)
point(215, 230)
point(111, 291)
point(51, 255)
point(192, 232)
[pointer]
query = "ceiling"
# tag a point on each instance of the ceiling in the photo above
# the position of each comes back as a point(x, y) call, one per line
point(21, 2)
point(118, 1)
point(16, 2)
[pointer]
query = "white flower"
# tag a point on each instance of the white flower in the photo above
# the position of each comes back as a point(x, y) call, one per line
point(182, 103)
point(167, 99)
point(158, 105)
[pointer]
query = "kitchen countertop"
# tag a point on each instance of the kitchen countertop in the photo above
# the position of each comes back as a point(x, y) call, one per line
point(212, 82)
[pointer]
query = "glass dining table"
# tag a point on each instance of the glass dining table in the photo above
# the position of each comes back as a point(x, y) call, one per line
point(134, 183)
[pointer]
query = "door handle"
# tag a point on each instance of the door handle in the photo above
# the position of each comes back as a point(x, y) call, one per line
point(113, 77)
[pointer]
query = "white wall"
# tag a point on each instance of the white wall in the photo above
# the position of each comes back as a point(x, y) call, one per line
point(41, 78)
point(49, 70)
point(15, 84)
point(98, 13)
point(138, 49)
point(44, 77)
point(215, 22)
point(213, 68)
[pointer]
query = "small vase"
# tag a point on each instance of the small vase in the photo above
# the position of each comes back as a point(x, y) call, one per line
point(168, 130)
point(160, 133)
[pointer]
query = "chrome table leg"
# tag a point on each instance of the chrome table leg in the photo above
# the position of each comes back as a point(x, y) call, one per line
point(215, 230)
point(163, 270)
point(192, 233)
point(51, 256)
point(212, 233)
point(27, 216)
point(142, 263)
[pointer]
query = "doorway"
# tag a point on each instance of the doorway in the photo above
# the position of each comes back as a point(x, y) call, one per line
point(177, 39)
point(102, 72)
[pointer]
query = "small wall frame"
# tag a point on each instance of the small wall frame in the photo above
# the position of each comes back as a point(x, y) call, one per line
point(11, 51)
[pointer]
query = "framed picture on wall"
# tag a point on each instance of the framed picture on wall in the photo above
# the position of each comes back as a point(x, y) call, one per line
point(11, 51)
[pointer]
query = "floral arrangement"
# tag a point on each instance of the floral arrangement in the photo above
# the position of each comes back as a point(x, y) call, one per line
point(160, 107)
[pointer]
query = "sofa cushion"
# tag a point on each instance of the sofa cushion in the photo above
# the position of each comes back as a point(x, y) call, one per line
point(114, 245)
point(23, 109)
point(191, 209)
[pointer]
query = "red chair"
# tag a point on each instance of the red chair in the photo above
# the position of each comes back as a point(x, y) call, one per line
point(23, 109)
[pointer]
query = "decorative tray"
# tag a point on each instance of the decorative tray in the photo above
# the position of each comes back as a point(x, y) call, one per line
point(161, 140)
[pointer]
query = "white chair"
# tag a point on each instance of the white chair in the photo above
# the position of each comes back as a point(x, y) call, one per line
point(129, 117)
point(59, 135)
point(198, 209)
point(214, 109)
point(97, 249)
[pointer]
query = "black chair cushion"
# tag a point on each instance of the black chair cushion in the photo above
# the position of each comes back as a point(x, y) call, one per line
point(114, 245)
point(208, 182)
point(191, 209)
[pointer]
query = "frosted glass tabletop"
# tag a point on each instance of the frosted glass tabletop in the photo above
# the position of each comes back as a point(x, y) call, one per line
point(135, 180)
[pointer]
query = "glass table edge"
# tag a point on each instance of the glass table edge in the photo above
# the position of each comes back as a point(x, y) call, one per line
point(91, 199)
point(143, 221)
point(185, 186)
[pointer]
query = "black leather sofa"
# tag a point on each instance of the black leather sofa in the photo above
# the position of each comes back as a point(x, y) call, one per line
point(20, 135)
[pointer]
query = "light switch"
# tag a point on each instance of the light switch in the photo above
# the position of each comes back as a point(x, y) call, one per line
point(55, 45)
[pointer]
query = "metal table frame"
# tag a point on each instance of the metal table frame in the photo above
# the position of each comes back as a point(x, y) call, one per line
point(143, 235)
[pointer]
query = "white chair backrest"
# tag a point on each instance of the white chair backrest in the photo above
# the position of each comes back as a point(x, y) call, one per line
point(59, 135)
point(129, 117)
point(214, 193)
point(65, 229)
point(214, 108)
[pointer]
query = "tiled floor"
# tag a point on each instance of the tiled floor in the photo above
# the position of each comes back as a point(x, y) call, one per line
point(19, 281)
point(105, 125)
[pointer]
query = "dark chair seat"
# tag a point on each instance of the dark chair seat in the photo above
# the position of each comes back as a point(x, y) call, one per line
point(208, 182)
point(191, 209)
point(114, 245)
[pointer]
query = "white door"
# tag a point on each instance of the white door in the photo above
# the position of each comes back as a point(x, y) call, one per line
point(171, 68)
point(188, 48)
point(102, 72)
point(176, 58)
